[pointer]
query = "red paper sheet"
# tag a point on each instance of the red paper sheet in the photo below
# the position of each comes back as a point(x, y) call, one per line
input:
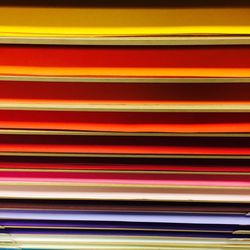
point(227, 61)
point(126, 122)
point(127, 57)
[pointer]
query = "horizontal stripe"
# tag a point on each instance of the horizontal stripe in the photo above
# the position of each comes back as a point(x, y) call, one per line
point(130, 178)
point(122, 21)
point(125, 61)
point(181, 218)
point(126, 121)
point(130, 41)
point(155, 80)
point(71, 191)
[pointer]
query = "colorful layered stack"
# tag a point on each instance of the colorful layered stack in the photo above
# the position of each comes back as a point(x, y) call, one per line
point(124, 125)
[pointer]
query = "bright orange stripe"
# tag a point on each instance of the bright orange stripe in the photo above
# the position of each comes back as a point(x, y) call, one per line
point(126, 72)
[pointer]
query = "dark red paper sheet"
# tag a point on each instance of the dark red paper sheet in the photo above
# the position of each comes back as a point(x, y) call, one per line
point(125, 145)
point(126, 122)
point(125, 92)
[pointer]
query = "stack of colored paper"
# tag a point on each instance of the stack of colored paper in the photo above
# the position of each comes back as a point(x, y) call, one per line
point(124, 125)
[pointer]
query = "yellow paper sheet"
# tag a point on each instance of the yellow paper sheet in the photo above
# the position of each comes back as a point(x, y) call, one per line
point(56, 21)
